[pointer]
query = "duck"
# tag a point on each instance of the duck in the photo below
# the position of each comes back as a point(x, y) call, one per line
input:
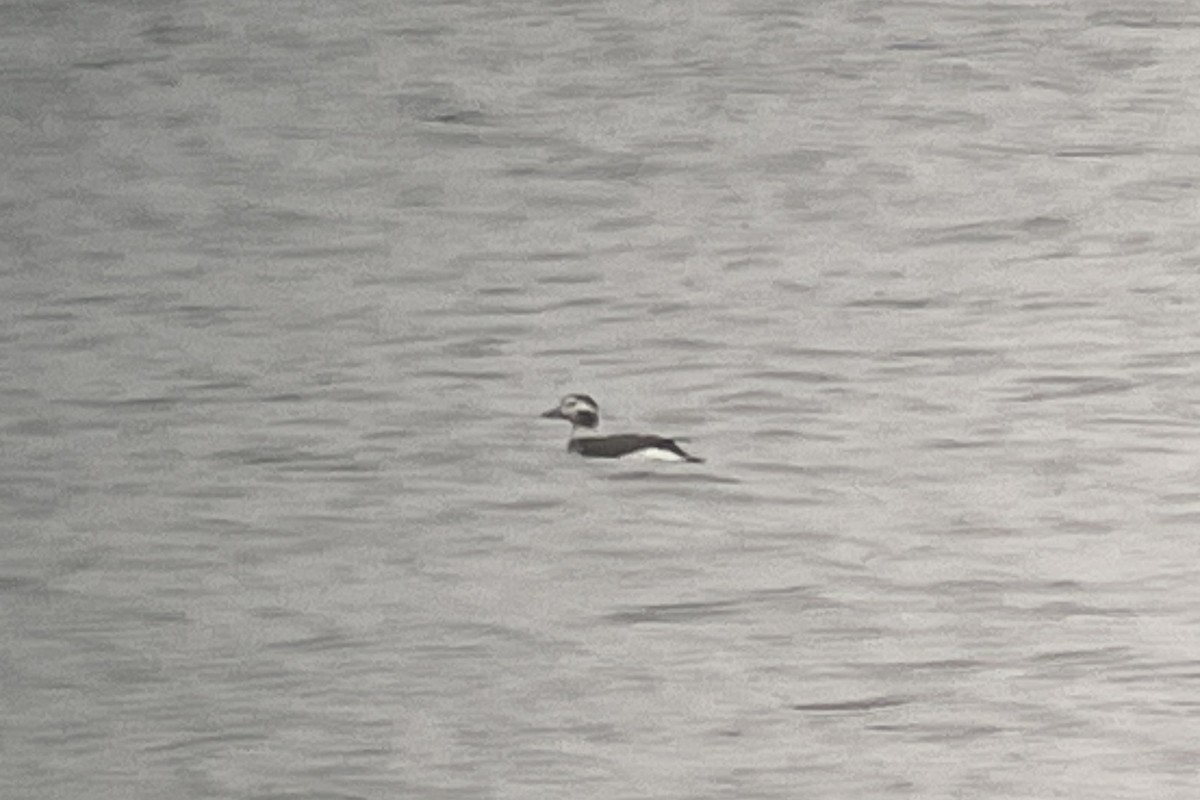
point(584, 415)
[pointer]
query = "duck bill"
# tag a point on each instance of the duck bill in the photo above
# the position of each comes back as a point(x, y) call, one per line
point(554, 413)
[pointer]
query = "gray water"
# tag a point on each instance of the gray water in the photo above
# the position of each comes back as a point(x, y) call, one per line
point(283, 288)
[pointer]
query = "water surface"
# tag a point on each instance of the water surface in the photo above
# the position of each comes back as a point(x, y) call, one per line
point(284, 289)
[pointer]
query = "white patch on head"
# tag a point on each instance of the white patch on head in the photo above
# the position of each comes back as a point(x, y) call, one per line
point(574, 403)
point(653, 454)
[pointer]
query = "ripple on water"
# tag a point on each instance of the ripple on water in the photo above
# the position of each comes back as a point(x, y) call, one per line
point(855, 706)
point(676, 613)
point(1069, 386)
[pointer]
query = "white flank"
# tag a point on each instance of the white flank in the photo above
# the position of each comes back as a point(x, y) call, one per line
point(653, 454)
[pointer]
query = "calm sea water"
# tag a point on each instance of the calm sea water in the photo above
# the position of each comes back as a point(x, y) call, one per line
point(283, 289)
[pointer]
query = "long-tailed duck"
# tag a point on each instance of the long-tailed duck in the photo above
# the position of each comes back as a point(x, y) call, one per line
point(584, 414)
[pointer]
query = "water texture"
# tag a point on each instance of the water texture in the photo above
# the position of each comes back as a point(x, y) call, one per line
point(283, 289)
